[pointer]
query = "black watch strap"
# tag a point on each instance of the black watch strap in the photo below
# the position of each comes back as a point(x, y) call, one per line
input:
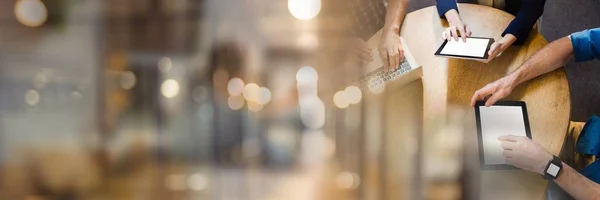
point(553, 168)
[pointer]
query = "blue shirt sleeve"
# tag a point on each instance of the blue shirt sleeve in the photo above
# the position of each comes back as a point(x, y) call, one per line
point(527, 16)
point(444, 6)
point(586, 44)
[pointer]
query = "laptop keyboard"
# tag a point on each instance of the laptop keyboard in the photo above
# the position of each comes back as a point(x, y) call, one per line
point(379, 77)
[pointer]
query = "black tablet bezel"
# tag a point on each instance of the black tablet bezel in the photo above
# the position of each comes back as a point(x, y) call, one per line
point(480, 138)
point(485, 55)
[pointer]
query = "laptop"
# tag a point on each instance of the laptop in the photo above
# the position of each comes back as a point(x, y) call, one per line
point(376, 78)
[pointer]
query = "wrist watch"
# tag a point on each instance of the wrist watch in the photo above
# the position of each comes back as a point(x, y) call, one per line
point(553, 168)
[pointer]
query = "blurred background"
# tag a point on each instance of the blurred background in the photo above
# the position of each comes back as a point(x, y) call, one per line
point(198, 99)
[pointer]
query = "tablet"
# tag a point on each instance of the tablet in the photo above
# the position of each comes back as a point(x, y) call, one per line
point(475, 48)
point(502, 118)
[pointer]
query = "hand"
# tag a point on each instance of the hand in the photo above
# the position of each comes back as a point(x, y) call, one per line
point(524, 153)
point(499, 46)
point(497, 89)
point(456, 26)
point(357, 51)
point(390, 50)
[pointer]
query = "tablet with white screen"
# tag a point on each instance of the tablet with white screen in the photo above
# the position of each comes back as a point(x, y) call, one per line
point(502, 118)
point(475, 48)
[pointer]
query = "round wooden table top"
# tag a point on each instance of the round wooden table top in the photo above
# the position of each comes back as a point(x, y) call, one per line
point(450, 83)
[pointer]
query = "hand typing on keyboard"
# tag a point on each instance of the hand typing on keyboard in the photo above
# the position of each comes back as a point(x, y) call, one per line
point(390, 50)
point(379, 77)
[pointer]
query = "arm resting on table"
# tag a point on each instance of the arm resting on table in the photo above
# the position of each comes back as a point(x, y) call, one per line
point(551, 57)
point(576, 184)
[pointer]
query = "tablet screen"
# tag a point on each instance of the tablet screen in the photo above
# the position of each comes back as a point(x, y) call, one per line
point(497, 121)
point(473, 47)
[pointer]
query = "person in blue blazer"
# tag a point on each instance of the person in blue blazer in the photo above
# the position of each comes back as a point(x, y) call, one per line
point(526, 12)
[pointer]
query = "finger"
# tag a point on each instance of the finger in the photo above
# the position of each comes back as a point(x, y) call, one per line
point(510, 138)
point(454, 34)
point(400, 54)
point(384, 58)
point(468, 30)
point(396, 59)
point(493, 49)
point(507, 145)
point(392, 60)
point(494, 98)
point(481, 94)
point(476, 96)
point(488, 60)
point(509, 154)
point(463, 33)
point(444, 36)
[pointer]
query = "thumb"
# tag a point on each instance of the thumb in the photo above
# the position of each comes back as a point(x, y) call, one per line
point(493, 48)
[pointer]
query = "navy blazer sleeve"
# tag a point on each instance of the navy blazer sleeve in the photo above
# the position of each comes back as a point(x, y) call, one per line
point(528, 14)
point(444, 6)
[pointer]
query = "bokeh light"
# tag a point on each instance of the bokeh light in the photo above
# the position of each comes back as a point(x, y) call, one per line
point(235, 102)
point(235, 87)
point(31, 13)
point(264, 96)
point(32, 97)
point(254, 107)
point(353, 94)
point(169, 88)
point(251, 92)
point(304, 9)
point(347, 180)
point(165, 64)
point(127, 80)
point(340, 99)
point(307, 74)
point(197, 182)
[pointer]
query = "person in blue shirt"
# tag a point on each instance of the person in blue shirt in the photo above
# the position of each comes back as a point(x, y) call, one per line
point(523, 152)
point(526, 13)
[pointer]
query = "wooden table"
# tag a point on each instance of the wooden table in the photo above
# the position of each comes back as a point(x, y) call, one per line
point(448, 84)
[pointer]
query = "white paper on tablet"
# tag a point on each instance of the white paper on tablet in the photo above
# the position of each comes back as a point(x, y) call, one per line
point(497, 121)
point(472, 47)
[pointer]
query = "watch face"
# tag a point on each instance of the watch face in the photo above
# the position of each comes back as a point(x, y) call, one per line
point(553, 169)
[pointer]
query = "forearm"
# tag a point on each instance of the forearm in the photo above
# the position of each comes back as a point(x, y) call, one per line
point(551, 57)
point(576, 184)
point(395, 15)
point(452, 15)
point(444, 6)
